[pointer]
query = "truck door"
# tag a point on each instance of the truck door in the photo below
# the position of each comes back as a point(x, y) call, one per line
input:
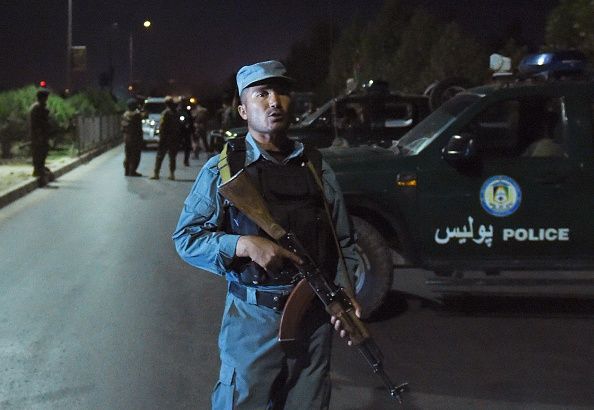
point(518, 201)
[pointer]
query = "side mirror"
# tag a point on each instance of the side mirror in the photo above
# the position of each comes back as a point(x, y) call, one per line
point(460, 149)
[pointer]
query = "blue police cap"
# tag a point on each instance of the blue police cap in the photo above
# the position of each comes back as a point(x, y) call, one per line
point(254, 73)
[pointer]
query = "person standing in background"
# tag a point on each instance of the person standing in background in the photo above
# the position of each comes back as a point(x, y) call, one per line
point(200, 128)
point(131, 126)
point(186, 131)
point(39, 134)
point(168, 138)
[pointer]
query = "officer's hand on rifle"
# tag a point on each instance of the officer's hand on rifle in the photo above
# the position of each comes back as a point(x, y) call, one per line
point(264, 252)
point(338, 326)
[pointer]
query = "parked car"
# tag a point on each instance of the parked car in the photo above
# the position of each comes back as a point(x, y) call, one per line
point(500, 177)
point(152, 109)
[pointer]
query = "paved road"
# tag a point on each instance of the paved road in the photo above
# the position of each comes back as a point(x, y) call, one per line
point(98, 312)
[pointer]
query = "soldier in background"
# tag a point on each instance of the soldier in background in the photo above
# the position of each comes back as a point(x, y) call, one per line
point(132, 130)
point(186, 131)
point(168, 138)
point(39, 134)
point(200, 116)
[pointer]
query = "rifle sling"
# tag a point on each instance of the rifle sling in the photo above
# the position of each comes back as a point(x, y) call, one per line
point(349, 281)
point(232, 160)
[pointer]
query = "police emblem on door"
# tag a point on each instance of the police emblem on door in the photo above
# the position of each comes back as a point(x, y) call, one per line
point(501, 196)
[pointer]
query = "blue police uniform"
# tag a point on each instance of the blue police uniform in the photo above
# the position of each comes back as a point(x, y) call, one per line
point(256, 372)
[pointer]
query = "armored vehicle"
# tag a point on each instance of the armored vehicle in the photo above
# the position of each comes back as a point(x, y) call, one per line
point(500, 177)
point(366, 115)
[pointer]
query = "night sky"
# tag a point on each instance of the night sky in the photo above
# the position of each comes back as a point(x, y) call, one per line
point(202, 43)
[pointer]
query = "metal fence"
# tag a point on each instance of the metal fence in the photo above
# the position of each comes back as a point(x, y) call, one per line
point(92, 132)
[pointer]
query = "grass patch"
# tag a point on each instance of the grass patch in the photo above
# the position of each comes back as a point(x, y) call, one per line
point(12, 175)
point(19, 168)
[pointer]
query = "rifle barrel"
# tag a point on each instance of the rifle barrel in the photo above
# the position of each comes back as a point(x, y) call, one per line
point(372, 354)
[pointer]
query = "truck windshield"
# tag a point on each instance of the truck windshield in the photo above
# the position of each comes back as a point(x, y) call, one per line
point(420, 136)
point(154, 107)
point(324, 110)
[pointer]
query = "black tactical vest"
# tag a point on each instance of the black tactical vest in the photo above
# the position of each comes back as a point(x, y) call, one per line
point(295, 201)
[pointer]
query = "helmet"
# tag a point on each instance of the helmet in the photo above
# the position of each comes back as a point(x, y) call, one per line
point(132, 104)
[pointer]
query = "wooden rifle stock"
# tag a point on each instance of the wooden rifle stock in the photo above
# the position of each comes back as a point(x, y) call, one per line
point(297, 304)
point(240, 191)
point(245, 197)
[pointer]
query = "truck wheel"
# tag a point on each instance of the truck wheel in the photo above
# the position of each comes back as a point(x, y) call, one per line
point(372, 269)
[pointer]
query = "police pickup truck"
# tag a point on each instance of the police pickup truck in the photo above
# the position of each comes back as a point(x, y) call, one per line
point(500, 177)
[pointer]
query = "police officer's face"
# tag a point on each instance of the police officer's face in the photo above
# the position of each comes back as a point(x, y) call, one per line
point(266, 108)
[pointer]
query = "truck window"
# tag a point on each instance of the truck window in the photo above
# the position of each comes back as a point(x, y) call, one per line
point(427, 130)
point(397, 114)
point(349, 115)
point(528, 127)
point(154, 107)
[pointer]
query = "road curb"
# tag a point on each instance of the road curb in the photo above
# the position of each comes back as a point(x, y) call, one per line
point(12, 194)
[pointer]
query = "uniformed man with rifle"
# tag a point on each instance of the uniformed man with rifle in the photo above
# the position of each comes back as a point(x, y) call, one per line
point(169, 128)
point(233, 224)
point(131, 125)
point(39, 130)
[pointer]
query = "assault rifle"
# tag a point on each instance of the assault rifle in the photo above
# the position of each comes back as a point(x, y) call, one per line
point(240, 191)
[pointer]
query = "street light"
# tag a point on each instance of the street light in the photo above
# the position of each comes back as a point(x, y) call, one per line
point(146, 25)
point(69, 49)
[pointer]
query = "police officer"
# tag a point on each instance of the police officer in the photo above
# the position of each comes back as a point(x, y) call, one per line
point(131, 125)
point(39, 134)
point(256, 371)
point(169, 128)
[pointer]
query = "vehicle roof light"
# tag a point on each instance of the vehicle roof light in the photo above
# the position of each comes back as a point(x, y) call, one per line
point(554, 64)
point(499, 63)
point(542, 59)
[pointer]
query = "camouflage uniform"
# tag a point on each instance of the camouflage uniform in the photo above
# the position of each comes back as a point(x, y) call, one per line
point(169, 129)
point(39, 134)
point(186, 132)
point(200, 125)
point(132, 130)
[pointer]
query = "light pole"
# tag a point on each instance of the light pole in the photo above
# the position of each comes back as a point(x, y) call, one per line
point(146, 25)
point(69, 49)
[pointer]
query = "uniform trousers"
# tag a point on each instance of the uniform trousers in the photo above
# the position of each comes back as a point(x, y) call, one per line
point(258, 373)
point(166, 147)
point(39, 153)
point(132, 157)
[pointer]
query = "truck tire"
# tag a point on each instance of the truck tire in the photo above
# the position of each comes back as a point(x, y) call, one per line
point(372, 270)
